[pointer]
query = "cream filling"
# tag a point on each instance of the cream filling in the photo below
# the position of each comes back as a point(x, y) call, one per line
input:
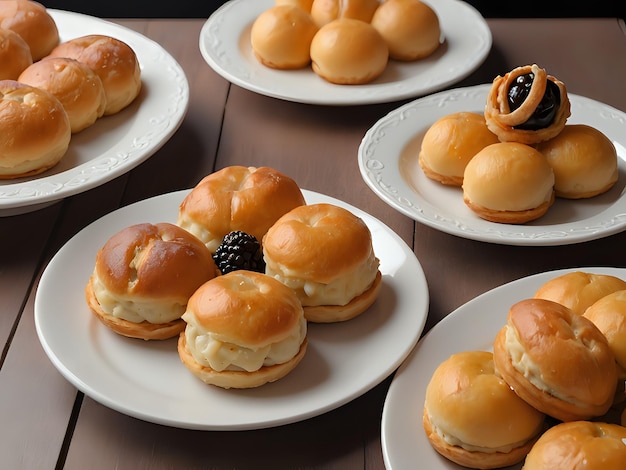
point(210, 239)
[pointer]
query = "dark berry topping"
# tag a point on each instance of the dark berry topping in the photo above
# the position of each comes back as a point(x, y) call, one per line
point(239, 250)
point(545, 112)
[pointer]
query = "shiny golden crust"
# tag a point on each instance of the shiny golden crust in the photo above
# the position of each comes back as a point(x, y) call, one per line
point(501, 120)
point(33, 23)
point(325, 11)
point(15, 55)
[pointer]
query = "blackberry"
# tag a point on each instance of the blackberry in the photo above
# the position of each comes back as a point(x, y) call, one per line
point(239, 250)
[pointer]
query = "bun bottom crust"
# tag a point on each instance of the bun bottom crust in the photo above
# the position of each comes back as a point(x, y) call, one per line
point(235, 378)
point(449, 180)
point(510, 217)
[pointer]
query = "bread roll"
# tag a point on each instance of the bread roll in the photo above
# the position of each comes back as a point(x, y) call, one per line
point(304, 4)
point(34, 130)
point(508, 182)
point(244, 329)
point(74, 84)
point(325, 254)
point(15, 55)
point(33, 23)
point(242, 198)
point(325, 11)
point(143, 278)
point(555, 360)
point(473, 418)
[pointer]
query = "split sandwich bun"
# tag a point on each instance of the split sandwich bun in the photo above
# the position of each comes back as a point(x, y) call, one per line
point(35, 130)
point(450, 143)
point(508, 182)
point(325, 254)
point(244, 329)
point(32, 21)
point(325, 11)
point(143, 278)
point(15, 55)
point(244, 198)
point(556, 360)
point(74, 84)
point(473, 418)
point(581, 445)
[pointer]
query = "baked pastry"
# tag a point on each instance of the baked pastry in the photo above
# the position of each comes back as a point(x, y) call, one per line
point(143, 277)
point(508, 182)
point(114, 61)
point(34, 130)
point(473, 418)
point(410, 28)
point(579, 444)
point(15, 55)
point(325, 254)
point(527, 105)
point(281, 37)
point(348, 52)
point(244, 329)
point(450, 143)
point(325, 11)
point(304, 4)
point(74, 84)
point(247, 199)
point(33, 23)
point(578, 290)
point(584, 161)
point(555, 360)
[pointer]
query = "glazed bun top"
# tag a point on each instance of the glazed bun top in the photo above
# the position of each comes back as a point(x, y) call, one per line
point(325, 11)
point(33, 23)
point(15, 55)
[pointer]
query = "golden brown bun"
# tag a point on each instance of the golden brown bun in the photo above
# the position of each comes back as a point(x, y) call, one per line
point(74, 84)
point(34, 130)
point(15, 55)
point(114, 62)
point(242, 198)
point(348, 52)
point(579, 445)
point(325, 11)
point(281, 37)
point(450, 143)
point(143, 278)
point(33, 23)
point(557, 361)
point(508, 182)
point(584, 161)
point(473, 418)
point(304, 4)
point(578, 290)
point(410, 28)
point(244, 329)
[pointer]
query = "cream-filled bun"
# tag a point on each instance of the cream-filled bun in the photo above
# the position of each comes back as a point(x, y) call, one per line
point(410, 28)
point(450, 143)
point(584, 161)
point(15, 55)
point(578, 290)
point(508, 182)
point(473, 418)
point(32, 21)
point(244, 329)
point(143, 278)
point(556, 360)
point(114, 61)
point(348, 52)
point(579, 445)
point(281, 37)
point(248, 199)
point(34, 130)
point(325, 254)
point(74, 84)
point(325, 11)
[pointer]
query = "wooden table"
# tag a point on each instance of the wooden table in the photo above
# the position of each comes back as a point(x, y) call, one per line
point(45, 423)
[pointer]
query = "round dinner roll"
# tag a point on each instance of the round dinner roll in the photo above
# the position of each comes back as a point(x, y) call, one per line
point(508, 182)
point(281, 37)
point(304, 4)
point(15, 55)
point(34, 130)
point(33, 23)
point(579, 445)
point(244, 329)
point(450, 143)
point(584, 161)
point(325, 11)
point(114, 61)
point(74, 84)
point(473, 418)
point(143, 278)
point(325, 254)
point(556, 360)
point(348, 52)
point(410, 28)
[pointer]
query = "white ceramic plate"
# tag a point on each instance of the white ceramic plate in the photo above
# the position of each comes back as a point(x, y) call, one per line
point(147, 380)
point(113, 145)
point(225, 45)
point(388, 162)
point(472, 326)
